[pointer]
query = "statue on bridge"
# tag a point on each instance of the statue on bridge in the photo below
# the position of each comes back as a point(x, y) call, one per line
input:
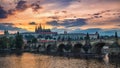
point(87, 45)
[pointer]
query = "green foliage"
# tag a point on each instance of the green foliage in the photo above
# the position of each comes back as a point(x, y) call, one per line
point(18, 41)
point(4, 42)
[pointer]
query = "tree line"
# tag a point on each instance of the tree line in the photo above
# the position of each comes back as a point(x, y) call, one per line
point(11, 42)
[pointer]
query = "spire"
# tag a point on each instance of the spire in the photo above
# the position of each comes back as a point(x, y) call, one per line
point(40, 27)
point(98, 36)
point(87, 37)
point(96, 32)
point(87, 45)
point(36, 28)
point(116, 37)
point(44, 27)
point(6, 32)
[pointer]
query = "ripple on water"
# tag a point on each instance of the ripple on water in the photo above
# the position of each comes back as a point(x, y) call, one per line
point(29, 60)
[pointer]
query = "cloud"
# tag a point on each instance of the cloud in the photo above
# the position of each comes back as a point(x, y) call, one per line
point(6, 24)
point(21, 5)
point(99, 14)
point(60, 2)
point(68, 22)
point(10, 27)
point(54, 17)
point(59, 30)
point(115, 20)
point(36, 7)
point(90, 30)
point(3, 13)
point(32, 23)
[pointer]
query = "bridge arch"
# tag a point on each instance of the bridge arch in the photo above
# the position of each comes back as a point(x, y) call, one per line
point(98, 47)
point(77, 48)
point(39, 48)
point(48, 47)
point(68, 47)
point(60, 49)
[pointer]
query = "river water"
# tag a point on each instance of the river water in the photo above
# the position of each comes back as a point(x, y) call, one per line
point(30, 60)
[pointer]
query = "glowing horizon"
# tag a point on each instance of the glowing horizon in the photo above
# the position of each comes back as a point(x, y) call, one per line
point(53, 14)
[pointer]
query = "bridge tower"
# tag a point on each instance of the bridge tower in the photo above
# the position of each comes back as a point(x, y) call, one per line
point(87, 45)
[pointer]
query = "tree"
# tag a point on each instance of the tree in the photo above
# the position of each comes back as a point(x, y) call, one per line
point(18, 41)
point(4, 42)
point(11, 42)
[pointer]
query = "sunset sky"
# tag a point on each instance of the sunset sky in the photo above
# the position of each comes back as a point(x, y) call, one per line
point(59, 15)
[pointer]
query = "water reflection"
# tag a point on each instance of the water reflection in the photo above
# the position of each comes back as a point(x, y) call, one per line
point(29, 60)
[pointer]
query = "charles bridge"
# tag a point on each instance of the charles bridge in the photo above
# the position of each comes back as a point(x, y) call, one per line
point(82, 46)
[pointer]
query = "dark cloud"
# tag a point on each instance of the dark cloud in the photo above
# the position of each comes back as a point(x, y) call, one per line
point(68, 22)
point(96, 16)
point(90, 30)
point(64, 11)
point(11, 28)
point(21, 5)
point(6, 24)
point(61, 30)
point(36, 7)
point(99, 14)
point(53, 17)
point(11, 11)
point(115, 20)
point(32, 23)
point(7, 27)
point(59, 3)
point(3, 13)
point(114, 12)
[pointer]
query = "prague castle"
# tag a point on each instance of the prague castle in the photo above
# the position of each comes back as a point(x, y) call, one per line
point(39, 29)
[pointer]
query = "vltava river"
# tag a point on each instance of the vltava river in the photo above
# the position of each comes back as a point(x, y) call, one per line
point(30, 60)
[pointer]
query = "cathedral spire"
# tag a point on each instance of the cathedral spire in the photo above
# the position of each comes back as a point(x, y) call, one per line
point(43, 26)
point(36, 28)
point(40, 27)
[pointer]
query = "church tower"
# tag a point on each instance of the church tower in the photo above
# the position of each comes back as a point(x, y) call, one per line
point(36, 29)
point(40, 27)
point(87, 45)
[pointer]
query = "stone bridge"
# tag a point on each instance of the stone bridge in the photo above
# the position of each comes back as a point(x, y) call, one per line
point(96, 45)
point(57, 43)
